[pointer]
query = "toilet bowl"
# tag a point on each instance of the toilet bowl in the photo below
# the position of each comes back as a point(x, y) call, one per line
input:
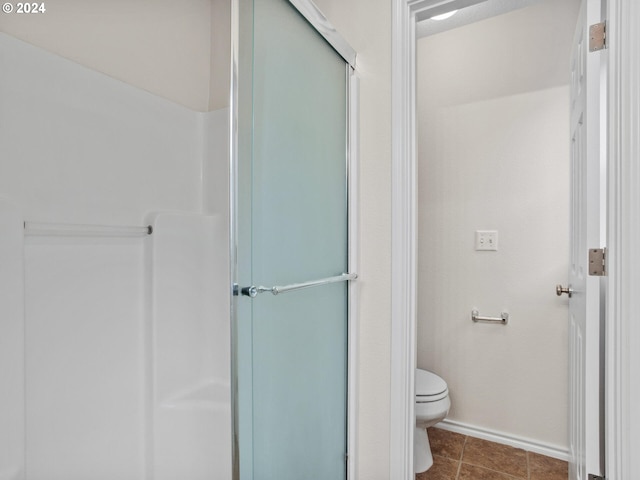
point(432, 406)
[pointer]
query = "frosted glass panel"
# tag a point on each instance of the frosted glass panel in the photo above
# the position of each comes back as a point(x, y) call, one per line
point(298, 233)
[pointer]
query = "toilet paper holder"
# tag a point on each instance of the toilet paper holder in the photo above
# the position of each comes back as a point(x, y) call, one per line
point(503, 319)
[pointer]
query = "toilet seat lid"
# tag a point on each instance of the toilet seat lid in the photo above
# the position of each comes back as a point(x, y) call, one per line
point(428, 384)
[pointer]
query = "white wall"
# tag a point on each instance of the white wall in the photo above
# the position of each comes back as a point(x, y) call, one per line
point(101, 360)
point(494, 155)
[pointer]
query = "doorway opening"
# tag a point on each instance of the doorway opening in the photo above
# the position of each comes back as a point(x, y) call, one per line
point(493, 156)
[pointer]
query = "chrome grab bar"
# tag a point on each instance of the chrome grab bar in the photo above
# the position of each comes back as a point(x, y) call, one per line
point(504, 318)
point(253, 291)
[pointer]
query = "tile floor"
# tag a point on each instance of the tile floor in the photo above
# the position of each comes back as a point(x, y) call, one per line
point(459, 457)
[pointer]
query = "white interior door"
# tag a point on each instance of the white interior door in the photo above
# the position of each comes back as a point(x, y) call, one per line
point(585, 304)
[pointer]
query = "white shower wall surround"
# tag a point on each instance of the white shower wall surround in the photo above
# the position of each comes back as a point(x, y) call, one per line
point(81, 147)
point(189, 349)
point(11, 344)
point(114, 352)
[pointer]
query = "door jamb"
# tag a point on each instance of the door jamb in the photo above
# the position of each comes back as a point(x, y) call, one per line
point(622, 357)
point(404, 230)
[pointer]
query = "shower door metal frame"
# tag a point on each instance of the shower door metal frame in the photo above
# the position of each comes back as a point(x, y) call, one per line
point(320, 23)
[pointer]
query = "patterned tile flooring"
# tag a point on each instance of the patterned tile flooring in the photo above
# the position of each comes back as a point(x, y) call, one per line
point(459, 457)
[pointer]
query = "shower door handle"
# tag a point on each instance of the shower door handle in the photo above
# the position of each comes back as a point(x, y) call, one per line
point(253, 291)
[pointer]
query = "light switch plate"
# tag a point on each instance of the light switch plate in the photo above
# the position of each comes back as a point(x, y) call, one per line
point(487, 240)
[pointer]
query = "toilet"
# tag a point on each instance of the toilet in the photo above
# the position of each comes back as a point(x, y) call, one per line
point(432, 406)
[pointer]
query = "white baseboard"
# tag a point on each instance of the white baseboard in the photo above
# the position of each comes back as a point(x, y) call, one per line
point(499, 437)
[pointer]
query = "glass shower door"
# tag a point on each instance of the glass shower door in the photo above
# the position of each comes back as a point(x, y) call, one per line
point(291, 228)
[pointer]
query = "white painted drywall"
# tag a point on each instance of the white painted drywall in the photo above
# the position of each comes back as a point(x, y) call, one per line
point(493, 145)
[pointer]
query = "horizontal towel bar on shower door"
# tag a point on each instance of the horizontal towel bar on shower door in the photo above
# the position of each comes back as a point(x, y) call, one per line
point(76, 230)
point(252, 291)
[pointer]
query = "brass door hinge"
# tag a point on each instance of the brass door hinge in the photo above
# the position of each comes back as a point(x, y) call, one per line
point(598, 262)
point(597, 36)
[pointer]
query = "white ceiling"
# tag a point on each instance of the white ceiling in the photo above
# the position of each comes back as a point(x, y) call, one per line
point(467, 15)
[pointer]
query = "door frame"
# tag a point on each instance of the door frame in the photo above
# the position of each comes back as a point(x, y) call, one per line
point(622, 358)
point(622, 355)
point(322, 25)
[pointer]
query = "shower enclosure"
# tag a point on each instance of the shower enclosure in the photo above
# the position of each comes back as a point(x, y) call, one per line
point(114, 305)
point(126, 353)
